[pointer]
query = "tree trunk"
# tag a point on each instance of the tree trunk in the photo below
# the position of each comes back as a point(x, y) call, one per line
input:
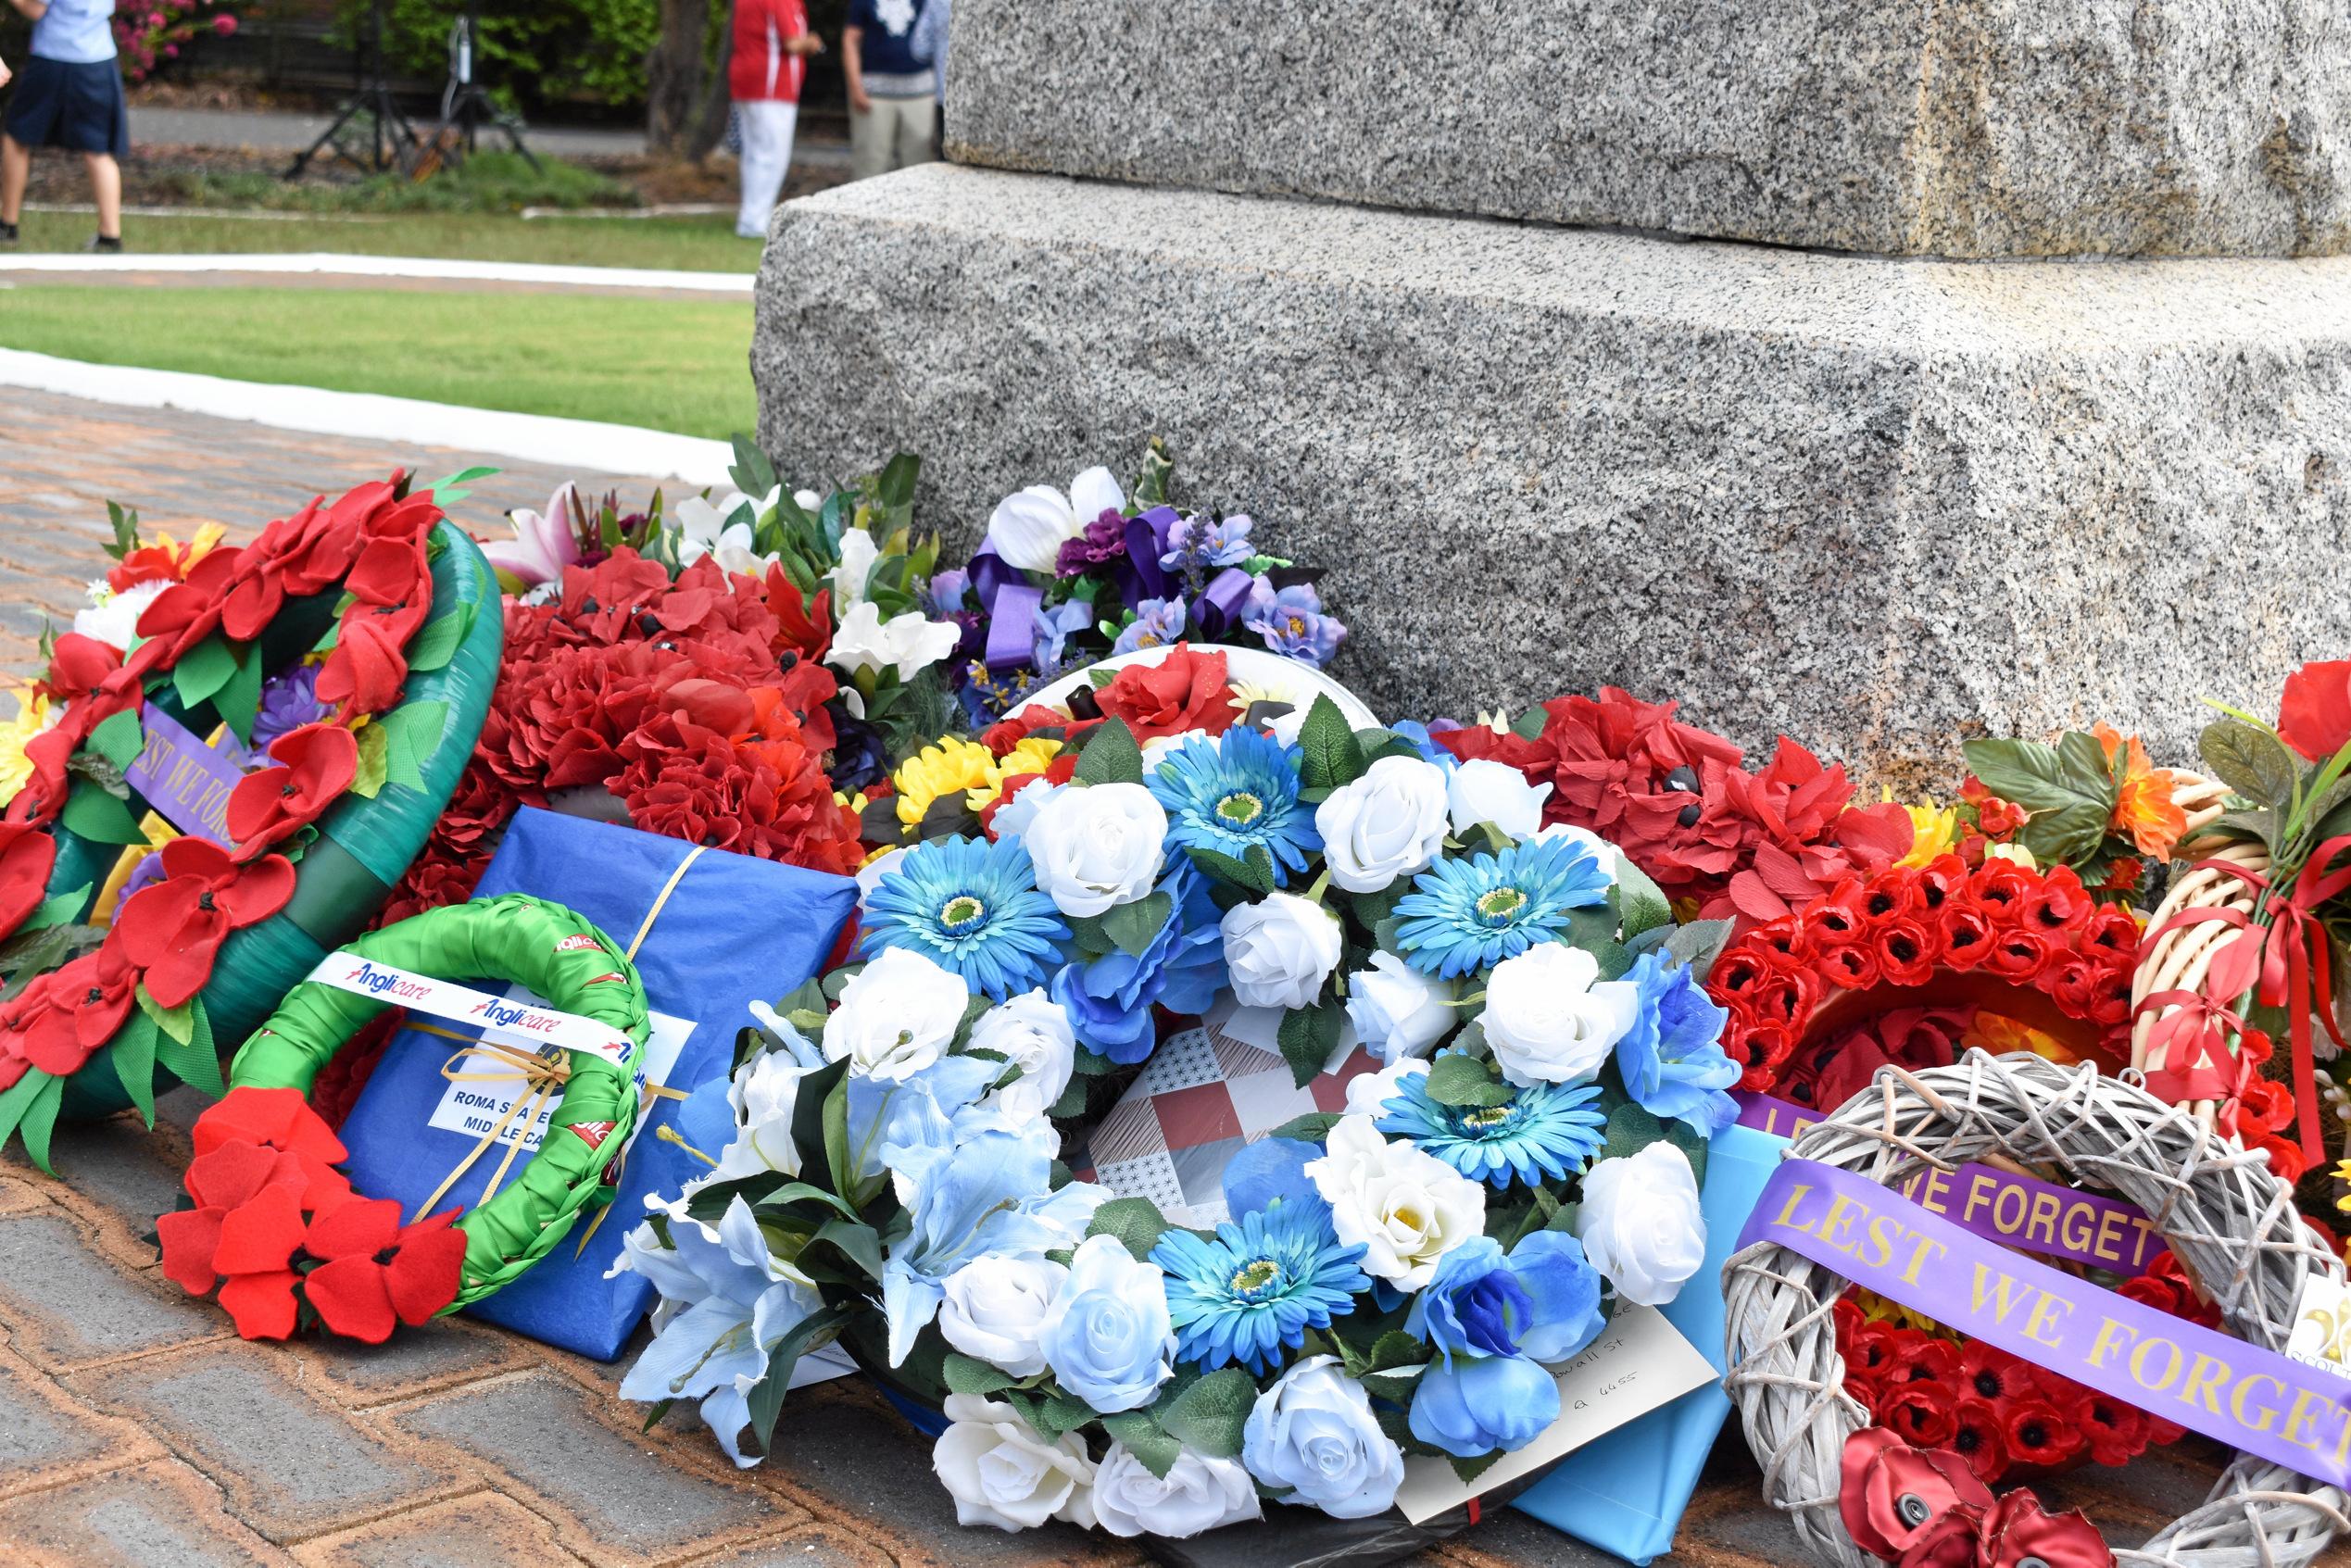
point(674, 78)
point(710, 119)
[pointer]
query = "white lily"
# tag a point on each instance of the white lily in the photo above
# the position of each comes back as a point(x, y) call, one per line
point(706, 532)
point(908, 644)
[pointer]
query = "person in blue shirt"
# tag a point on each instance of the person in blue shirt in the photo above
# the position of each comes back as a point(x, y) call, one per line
point(893, 90)
point(69, 95)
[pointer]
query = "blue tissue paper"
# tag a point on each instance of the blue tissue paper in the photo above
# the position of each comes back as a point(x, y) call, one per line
point(713, 933)
point(1625, 1494)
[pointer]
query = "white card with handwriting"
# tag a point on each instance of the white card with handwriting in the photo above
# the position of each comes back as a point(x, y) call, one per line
point(1639, 1362)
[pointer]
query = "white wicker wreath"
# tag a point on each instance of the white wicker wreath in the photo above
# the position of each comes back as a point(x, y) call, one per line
point(2229, 1220)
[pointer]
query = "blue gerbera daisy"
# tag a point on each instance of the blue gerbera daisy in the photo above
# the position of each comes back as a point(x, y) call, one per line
point(1235, 791)
point(972, 906)
point(1259, 1285)
point(1471, 915)
point(1547, 1132)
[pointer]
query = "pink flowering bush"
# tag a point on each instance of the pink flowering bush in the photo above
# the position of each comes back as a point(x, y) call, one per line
point(151, 32)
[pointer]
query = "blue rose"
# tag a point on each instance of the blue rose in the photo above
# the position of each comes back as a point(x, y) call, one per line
point(1672, 1058)
point(1479, 1403)
point(1107, 1335)
point(1542, 1301)
point(1270, 1171)
point(1110, 999)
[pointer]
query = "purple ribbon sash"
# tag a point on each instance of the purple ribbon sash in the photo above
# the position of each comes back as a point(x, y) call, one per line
point(2285, 1411)
point(2020, 1211)
point(1012, 625)
point(184, 779)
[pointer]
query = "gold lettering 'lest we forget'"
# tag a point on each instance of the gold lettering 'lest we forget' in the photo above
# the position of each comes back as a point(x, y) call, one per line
point(1878, 1241)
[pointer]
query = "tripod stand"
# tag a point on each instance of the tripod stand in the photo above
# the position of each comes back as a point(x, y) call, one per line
point(466, 105)
point(391, 142)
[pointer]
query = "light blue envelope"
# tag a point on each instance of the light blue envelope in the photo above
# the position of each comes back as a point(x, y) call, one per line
point(1626, 1493)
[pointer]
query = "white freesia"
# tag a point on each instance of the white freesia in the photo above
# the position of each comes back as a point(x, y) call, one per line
point(1029, 529)
point(908, 644)
point(1406, 1208)
point(1368, 1093)
point(1280, 950)
point(1096, 848)
point(896, 1017)
point(1640, 1223)
point(1397, 1011)
point(857, 555)
point(1000, 1472)
point(993, 1307)
point(1604, 852)
point(765, 1092)
point(1551, 1019)
point(1483, 790)
point(1198, 1493)
point(1034, 1036)
point(115, 622)
point(1312, 1439)
point(704, 531)
point(1389, 823)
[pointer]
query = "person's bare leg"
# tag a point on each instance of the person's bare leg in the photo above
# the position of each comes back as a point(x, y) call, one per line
point(106, 189)
point(15, 167)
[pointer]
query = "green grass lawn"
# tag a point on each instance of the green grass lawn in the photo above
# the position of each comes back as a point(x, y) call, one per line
point(702, 244)
point(666, 364)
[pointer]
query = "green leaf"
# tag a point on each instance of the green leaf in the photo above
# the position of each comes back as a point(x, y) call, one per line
point(1312, 1127)
point(134, 1056)
point(178, 1023)
point(1329, 754)
point(1110, 755)
point(204, 669)
point(375, 743)
point(839, 1158)
point(1135, 1221)
point(1133, 927)
point(19, 1099)
point(2250, 760)
point(1470, 1469)
point(39, 1120)
point(56, 910)
point(1698, 944)
point(766, 1399)
point(94, 814)
point(1151, 487)
point(858, 1242)
point(2034, 776)
point(120, 739)
point(453, 488)
point(1396, 1348)
point(1397, 1385)
point(1248, 876)
point(238, 702)
point(198, 1061)
point(432, 648)
point(1210, 1414)
point(752, 472)
point(1145, 1440)
point(2067, 836)
point(790, 1193)
point(1307, 1038)
point(1631, 1129)
point(894, 487)
point(1530, 725)
point(126, 529)
point(1454, 1079)
point(1641, 903)
point(412, 732)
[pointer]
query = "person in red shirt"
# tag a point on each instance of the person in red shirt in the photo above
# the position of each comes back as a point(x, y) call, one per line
point(771, 42)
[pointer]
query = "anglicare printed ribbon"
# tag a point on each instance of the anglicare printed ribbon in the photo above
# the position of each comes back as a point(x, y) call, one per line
point(2285, 1411)
point(462, 1004)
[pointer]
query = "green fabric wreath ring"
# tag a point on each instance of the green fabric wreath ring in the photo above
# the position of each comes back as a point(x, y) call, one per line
point(277, 1229)
point(223, 776)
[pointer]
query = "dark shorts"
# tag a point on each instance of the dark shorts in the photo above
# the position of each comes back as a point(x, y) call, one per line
point(62, 104)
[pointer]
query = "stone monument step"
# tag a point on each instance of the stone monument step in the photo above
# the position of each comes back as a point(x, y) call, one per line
point(1881, 505)
point(2173, 127)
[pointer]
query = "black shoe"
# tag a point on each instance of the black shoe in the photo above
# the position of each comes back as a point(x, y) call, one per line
point(7, 233)
point(105, 245)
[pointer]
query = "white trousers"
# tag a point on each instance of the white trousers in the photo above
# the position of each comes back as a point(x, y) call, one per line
point(767, 125)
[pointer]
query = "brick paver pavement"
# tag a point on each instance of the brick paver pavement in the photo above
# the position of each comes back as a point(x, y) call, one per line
point(137, 1430)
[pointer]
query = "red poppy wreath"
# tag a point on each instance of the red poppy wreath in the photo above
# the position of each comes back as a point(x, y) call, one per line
point(218, 780)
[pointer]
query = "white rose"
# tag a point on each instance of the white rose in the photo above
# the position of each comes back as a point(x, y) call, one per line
point(1640, 1223)
point(857, 555)
point(992, 1308)
point(1406, 1208)
point(1601, 850)
point(1029, 529)
point(908, 644)
point(1280, 950)
point(1002, 1472)
point(1483, 790)
point(1313, 1438)
point(1198, 1493)
point(766, 1092)
point(1389, 823)
point(1034, 1034)
point(1096, 848)
point(1397, 1011)
point(1551, 1019)
point(1368, 1093)
point(896, 1017)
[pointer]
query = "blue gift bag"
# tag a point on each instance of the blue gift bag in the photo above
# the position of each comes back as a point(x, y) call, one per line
point(712, 932)
point(1626, 1495)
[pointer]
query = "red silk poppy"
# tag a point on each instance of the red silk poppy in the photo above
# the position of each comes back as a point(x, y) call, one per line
point(2016, 1531)
point(173, 929)
point(1891, 1496)
point(315, 766)
point(26, 857)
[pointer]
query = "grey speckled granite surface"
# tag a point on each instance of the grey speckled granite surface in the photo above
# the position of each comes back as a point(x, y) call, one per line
point(1962, 128)
point(1881, 505)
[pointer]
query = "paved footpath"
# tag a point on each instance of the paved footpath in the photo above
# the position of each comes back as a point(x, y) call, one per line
point(137, 1431)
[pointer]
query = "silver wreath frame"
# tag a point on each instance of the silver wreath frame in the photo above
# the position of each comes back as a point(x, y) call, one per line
point(2227, 1218)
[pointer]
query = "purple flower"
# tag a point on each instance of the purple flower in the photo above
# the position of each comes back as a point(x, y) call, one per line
point(1157, 624)
point(1205, 543)
point(1104, 541)
point(147, 874)
point(947, 589)
point(1055, 627)
point(1293, 624)
point(289, 700)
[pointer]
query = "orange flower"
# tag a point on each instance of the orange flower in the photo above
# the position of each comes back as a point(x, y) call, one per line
point(2144, 812)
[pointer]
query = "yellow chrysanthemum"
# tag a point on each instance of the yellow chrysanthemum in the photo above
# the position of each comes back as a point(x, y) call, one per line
point(1032, 754)
point(1934, 831)
point(205, 540)
point(2342, 1173)
point(33, 717)
point(936, 770)
point(1878, 1307)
